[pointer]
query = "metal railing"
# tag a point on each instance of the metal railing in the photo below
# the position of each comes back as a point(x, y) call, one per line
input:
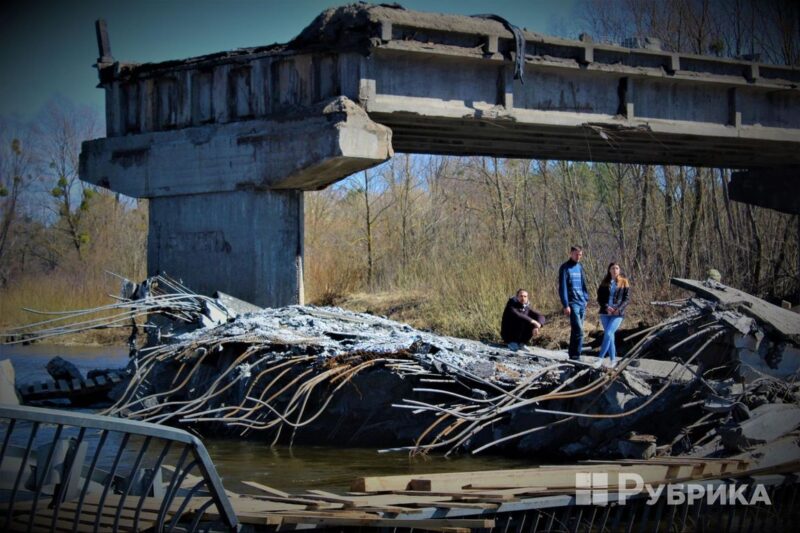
point(65, 470)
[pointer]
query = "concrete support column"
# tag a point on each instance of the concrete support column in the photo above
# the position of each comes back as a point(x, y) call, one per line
point(226, 200)
point(245, 243)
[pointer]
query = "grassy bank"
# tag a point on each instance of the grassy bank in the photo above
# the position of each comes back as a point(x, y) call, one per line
point(59, 292)
point(423, 312)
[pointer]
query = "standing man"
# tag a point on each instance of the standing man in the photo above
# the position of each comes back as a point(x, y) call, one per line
point(520, 321)
point(574, 297)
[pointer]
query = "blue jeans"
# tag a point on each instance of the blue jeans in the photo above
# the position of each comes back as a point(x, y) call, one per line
point(610, 325)
point(576, 315)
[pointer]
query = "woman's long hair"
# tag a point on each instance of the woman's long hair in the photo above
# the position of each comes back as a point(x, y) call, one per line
point(621, 280)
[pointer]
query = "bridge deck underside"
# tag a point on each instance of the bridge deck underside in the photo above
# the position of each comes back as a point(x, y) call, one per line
point(435, 135)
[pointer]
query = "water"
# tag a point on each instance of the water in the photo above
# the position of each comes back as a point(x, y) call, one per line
point(295, 469)
point(30, 361)
point(317, 467)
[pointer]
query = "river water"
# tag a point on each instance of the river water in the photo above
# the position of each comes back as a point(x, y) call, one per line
point(295, 469)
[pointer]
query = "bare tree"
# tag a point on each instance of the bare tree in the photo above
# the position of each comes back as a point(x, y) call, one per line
point(15, 180)
point(60, 134)
point(371, 197)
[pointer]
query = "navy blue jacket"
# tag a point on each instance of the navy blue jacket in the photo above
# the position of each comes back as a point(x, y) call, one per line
point(572, 284)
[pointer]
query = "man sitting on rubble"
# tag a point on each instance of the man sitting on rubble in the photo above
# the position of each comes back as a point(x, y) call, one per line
point(520, 322)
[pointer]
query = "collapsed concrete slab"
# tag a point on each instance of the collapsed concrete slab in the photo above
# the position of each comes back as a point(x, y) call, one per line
point(762, 339)
point(303, 374)
point(766, 424)
point(784, 322)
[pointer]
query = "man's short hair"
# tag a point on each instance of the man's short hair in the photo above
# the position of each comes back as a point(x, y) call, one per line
point(576, 248)
point(520, 290)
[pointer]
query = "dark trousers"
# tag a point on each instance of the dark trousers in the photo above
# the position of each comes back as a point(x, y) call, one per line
point(521, 333)
point(576, 316)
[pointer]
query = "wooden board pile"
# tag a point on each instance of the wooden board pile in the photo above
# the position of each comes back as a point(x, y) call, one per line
point(470, 500)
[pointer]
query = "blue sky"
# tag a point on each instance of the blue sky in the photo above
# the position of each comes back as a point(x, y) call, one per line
point(47, 48)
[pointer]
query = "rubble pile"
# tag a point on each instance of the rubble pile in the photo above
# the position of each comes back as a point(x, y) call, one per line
point(713, 380)
point(304, 374)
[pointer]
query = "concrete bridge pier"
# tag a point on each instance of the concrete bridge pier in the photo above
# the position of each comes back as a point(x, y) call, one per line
point(226, 200)
point(245, 243)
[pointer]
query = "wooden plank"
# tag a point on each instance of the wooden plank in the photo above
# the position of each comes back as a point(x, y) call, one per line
point(26, 505)
point(332, 496)
point(267, 489)
point(430, 523)
point(274, 518)
point(301, 501)
point(189, 480)
point(537, 477)
point(464, 505)
point(384, 509)
point(661, 460)
point(502, 490)
point(247, 504)
point(453, 495)
point(587, 466)
point(405, 482)
point(378, 500)
point(323, 499)
point(420, 484)
point(680, 471)
point(252, 519)
point(709, 469)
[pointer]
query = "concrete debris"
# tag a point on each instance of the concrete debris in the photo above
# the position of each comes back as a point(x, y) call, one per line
point(234, 304)
point(60, 368)
point(737, 332)
point(637, 384)
point(637, 447)
point(8, 392)
point(766, 423)
point(328, 375)
point(782, 323)
point(715, 404)
point(309, 374)
point(325, 375)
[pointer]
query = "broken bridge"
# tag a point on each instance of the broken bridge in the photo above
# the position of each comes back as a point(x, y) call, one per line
point(224, 145)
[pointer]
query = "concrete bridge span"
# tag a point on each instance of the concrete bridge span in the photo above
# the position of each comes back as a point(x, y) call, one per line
point(224, 144)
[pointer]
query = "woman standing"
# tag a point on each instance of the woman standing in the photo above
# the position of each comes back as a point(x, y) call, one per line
point(613, 295)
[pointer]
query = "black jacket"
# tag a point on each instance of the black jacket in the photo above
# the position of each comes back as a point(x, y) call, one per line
point(517, 318)
point(622, 297)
